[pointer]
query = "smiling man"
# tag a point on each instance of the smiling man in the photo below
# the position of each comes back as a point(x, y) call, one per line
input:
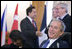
point(55, 31)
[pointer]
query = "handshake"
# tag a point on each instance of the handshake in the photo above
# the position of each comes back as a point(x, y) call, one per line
point(38, 33)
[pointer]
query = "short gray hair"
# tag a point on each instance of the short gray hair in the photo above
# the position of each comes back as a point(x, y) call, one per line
point(63, 5)
point(62, 24)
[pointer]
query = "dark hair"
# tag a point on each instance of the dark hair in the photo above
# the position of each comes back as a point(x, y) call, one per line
point(29, 9)
point(15, 35)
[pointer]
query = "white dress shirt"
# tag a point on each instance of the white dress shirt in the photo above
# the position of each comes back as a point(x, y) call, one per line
point(29, 18)
point(61, 17)
point(51, 41)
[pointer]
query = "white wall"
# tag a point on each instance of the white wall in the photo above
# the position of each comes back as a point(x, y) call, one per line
point(11, 6)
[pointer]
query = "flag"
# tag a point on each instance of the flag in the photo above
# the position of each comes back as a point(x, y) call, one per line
point(30, 5)
point(39, 6)
point(43, 26)
point(15, 23)
point(3, 27)
point(46, 20)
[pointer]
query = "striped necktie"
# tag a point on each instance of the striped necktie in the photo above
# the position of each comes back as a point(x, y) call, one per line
point(34, 24)
point(46, 43)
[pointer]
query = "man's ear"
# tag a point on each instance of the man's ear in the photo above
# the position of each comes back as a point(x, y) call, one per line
point(29, 13)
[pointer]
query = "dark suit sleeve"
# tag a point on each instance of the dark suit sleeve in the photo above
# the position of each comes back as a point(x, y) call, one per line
point(27, 30)
point(68, 25)
point(67, 21)
point(64, 45)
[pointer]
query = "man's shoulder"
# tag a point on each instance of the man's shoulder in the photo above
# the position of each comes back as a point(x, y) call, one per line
point(64, 44)
point(60, 43)
point(67, 16)
point(24, 20)
point(60, 40)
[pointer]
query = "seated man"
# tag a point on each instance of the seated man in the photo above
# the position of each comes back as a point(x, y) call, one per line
point(16, 38)
point(55, 31)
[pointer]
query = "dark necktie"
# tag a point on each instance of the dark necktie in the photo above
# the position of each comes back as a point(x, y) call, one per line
point(60, 19)
point(45, 45)
point(34, 24)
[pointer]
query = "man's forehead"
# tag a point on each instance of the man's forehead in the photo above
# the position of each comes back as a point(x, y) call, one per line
point(58, 6)
point(55, 22)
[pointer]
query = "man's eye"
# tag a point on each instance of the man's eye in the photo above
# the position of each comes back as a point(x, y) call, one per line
point(56, 27)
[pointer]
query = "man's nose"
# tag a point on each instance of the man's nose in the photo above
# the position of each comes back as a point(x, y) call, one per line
point(51, 29)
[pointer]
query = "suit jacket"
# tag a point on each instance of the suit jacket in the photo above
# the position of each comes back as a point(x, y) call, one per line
point(67, 21)
point(66, 36)
point(57, 44)
point(29, 34)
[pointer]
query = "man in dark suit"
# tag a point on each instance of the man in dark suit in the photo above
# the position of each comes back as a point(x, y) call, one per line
point(55, 31)
point(29, 29)
point(62, 11)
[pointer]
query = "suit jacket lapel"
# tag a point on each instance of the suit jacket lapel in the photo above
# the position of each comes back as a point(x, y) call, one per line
point(28, 21)
point(56, 44)
point(65, 17)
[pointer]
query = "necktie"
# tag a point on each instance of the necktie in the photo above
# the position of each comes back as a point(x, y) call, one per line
point(33, 22)
point(60, 19)
point(45, 45)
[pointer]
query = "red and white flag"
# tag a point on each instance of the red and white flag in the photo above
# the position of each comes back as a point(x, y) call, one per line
point(15, 23)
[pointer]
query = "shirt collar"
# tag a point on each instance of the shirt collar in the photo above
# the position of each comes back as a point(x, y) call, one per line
point(63, 15)
point(53, 39)
point(29, 18)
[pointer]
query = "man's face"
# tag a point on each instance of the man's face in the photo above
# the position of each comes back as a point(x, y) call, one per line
point(61, 10)
point(55, 13)
point(54, 30)
point(33, 13)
